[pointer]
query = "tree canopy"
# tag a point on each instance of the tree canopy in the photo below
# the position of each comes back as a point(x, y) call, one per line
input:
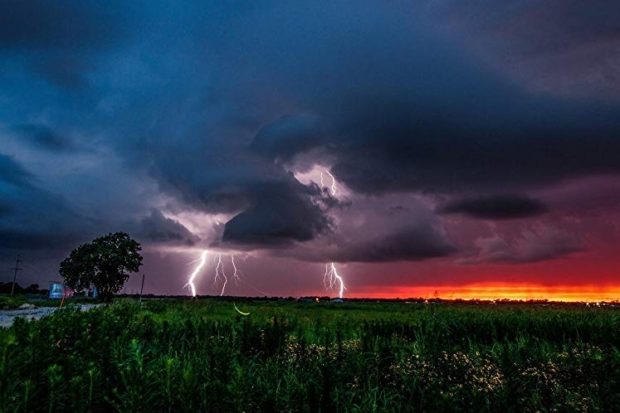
point(105, 263)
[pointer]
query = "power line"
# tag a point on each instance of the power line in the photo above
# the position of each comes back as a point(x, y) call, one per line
point(15, 270)
point(142, 287)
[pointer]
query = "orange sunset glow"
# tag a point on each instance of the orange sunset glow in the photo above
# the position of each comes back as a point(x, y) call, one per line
point(508, 291)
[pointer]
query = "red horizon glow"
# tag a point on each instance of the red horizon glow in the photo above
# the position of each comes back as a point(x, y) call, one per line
point(500, 291)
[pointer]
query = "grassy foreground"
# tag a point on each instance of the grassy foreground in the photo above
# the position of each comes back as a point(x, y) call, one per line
point(203, 356)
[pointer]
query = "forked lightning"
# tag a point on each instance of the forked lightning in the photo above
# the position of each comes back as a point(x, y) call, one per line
point(331, 278)
point(220, 272)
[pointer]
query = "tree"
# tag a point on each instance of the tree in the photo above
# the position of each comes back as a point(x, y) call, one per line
point(105, 262)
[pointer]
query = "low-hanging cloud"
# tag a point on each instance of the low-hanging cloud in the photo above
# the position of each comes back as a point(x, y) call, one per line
point(533, 245)
point(413, 243)
point(279, 216)
point(496, 207)
point(157, 228)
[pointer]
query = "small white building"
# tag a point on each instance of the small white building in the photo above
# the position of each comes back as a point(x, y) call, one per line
point(57, 291)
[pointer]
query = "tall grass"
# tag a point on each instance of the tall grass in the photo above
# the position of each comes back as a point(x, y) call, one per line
point(202, 356)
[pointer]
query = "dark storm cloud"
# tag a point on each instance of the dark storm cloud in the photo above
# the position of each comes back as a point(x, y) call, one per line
point(565, 48)
point(42, 137)
point(12, 172)
point(535, 245)
point(401, 111)
point(215, 100)
point(28, 239)
point(486, 146)
point(288, 136)
point(407, 244)
point(63, 41)
point(393, 107)
point(278, 216)
point(159, 229)
point(33, 218)
point(496, 207)
point(5, 208)
point(41, 24)
point(373, 229)
point(64, 72)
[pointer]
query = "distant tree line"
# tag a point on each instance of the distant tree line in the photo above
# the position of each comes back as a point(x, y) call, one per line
point(5, 288)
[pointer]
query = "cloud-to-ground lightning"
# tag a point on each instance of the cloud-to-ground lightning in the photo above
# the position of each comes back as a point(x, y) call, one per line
point(201, 263)
point(331, 278)
point(235, 275)
point(220, 272)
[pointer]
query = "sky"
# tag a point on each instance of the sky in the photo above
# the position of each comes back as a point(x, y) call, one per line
point(427, 148)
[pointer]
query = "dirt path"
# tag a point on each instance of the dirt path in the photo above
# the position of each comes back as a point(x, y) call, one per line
point(7, 317)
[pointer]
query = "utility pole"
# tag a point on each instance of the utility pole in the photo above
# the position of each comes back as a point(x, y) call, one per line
point(15, 270)
point(142, 287)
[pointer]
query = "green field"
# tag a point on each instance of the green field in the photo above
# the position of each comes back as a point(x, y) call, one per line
point(203, 356)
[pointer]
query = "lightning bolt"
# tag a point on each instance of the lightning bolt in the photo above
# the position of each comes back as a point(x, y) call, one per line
point(201, 263)
point(236, 272)
point(220, 272)
point(331, 278)
point(333, 186)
